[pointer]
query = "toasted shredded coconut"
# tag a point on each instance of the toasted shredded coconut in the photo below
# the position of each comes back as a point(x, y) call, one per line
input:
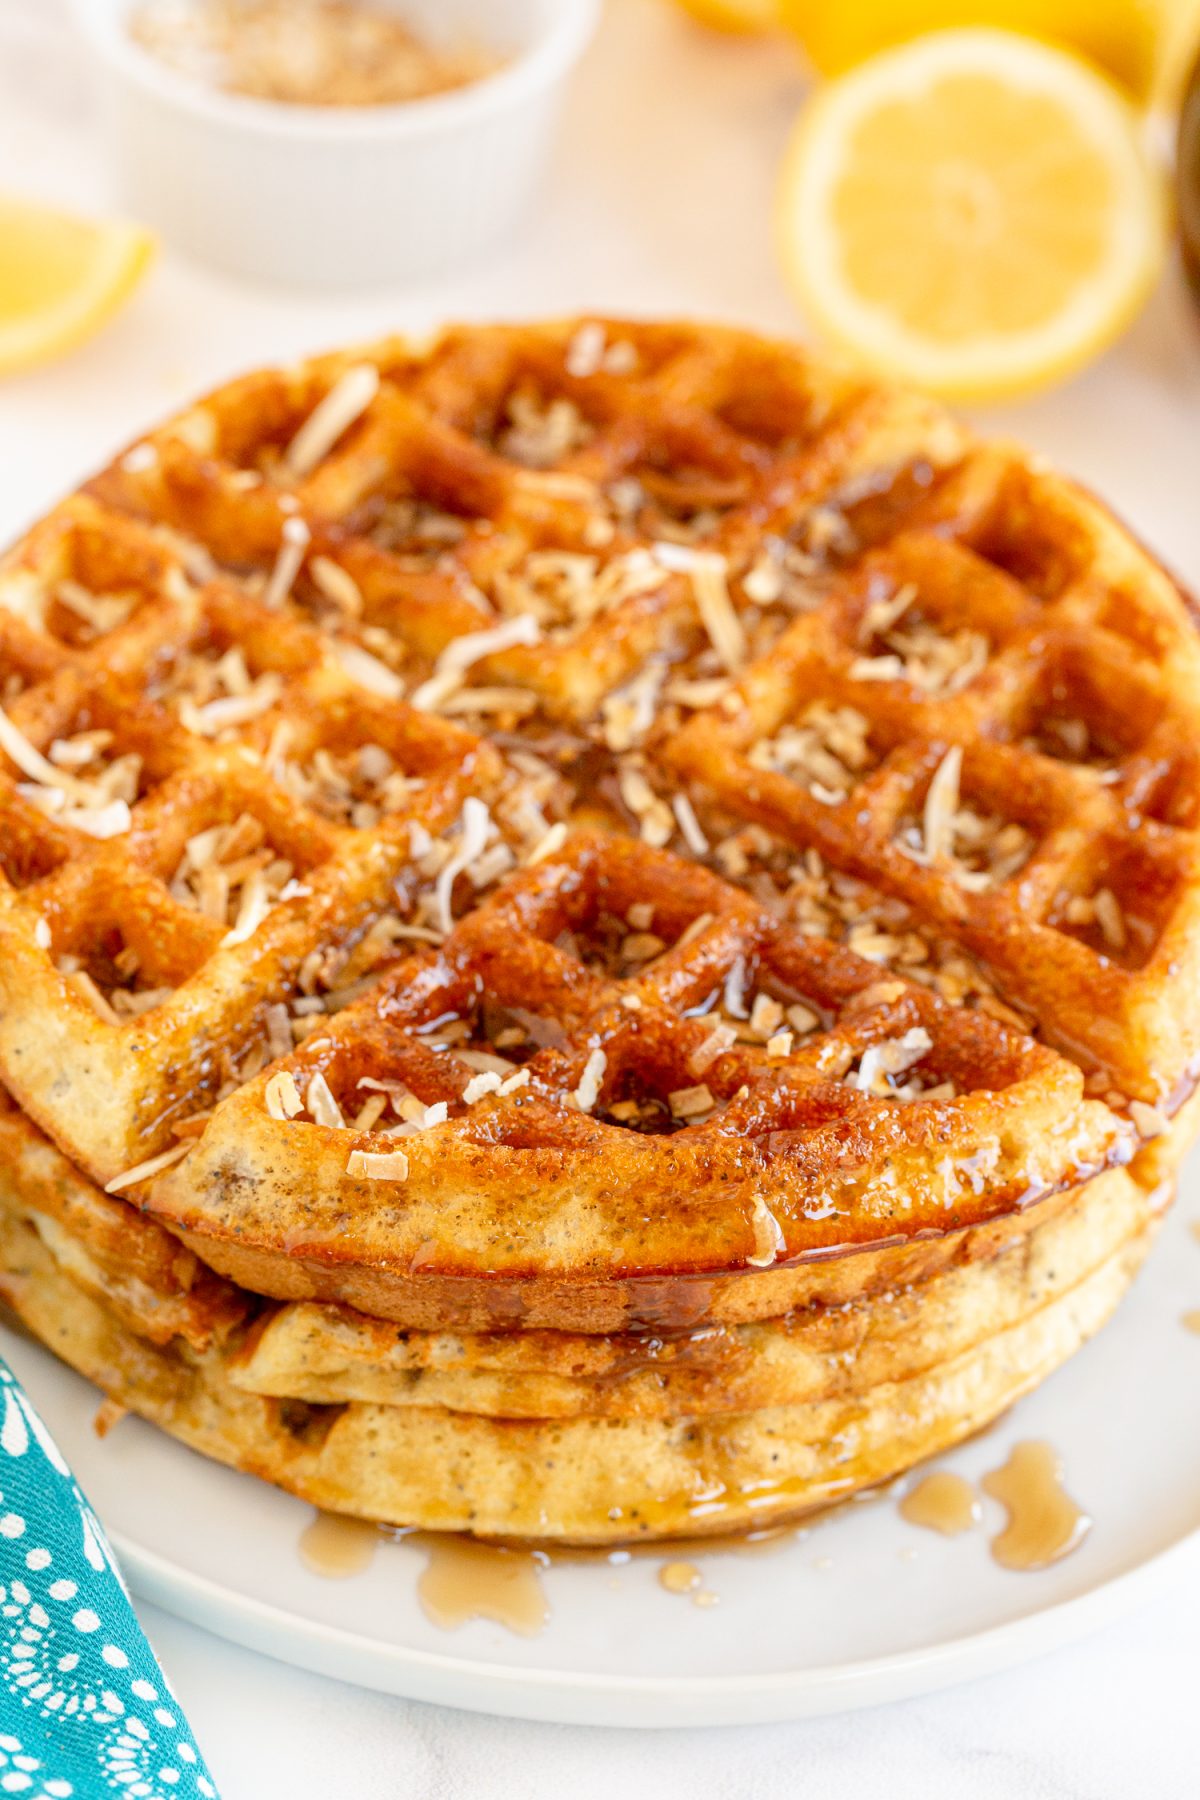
point(941, 804)
point(476, 823)
point(1149, 1120)
point(293, 548)
point(1110, 918)
point(709, 573)
point(690, 1102)
point(378, 1165)
point(689, 825)
point(154, 1165)
point(894, 1056)
point(337, 584)
point(780, 1044)
point(462, 652)
point(548, 844)
point(720, 1038)
point(768, 1237)
point(320, 1103)
point(140, 458)
point(30, 761)
point(346, 401)
point(587, 1093)
point(282, 1096)
point(486, 1082)
point(585, 352)
point(232, 710)
point(368, 671)
point(766, 1015)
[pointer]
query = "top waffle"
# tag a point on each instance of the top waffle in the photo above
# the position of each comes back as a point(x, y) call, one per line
point(295, 683)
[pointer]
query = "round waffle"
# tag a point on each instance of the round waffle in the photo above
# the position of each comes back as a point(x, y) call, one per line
point(574, 836)
point(305, 672)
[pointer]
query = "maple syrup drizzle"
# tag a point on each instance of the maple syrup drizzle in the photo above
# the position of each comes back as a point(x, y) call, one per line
point(336, 1547)
point(942, 1502)
point(464, 1579)
point(1044, 1523)
point(686, 1578)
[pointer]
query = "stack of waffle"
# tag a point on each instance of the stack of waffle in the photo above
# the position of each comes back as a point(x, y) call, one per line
point(599, 928)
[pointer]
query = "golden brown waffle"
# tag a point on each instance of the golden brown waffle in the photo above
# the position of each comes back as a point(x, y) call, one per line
point(349, 641)
point(599, 1179)
point(1032, 794)
point(185, 863)
point(834, 1399)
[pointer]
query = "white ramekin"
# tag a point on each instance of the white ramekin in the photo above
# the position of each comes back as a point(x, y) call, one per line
point(337, 198)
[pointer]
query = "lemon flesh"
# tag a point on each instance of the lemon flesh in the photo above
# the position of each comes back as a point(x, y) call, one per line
point(61, 279)
point(973, 212)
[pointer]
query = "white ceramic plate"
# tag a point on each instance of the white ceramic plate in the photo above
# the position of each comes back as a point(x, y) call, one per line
point(863, 1608)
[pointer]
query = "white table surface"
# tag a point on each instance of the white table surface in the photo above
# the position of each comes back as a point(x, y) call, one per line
point(658, 202)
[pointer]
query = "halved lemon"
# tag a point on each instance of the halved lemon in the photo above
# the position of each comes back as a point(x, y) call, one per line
point(61, 279)
point(973, 212)
point(740, 17)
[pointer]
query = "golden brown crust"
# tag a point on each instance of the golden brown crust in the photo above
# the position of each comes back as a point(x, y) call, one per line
point(585, 1480)
point(578, 831)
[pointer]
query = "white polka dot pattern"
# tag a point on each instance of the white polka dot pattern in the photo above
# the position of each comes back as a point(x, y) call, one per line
point(85, 1711)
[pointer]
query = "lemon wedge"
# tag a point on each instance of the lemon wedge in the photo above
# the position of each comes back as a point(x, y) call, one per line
point(972, 212)
point(61, 279)
point(738, 17)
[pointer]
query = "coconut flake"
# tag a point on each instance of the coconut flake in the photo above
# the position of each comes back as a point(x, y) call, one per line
point(378, 1165)
point(368, 671)
point(144, 1170)
point(585, 352)
point(346, 401)
point(587, 1093)
point(1150, 1122)
point(548, 844)
point(31, 762)
point(293, 547)
point(941, 804)
point(108, 821)
point(768, 1237)
point(337, 584)
point(282, 1096)
point(473, 646)
point(321, 1105)
point(475, 824)
point(691, 1102)
point(253, 907)
point(689, 825)
point(709, 574)
point(894, 1056)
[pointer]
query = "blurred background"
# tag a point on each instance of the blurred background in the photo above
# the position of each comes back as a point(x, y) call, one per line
point(811, 169)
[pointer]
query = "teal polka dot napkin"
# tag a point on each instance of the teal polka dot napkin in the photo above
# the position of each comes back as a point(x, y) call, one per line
point(85, 1711)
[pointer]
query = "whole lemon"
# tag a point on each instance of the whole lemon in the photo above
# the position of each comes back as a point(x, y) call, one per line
point(1128, 38)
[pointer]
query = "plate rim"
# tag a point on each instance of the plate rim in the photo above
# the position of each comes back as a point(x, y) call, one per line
point(577, 1697)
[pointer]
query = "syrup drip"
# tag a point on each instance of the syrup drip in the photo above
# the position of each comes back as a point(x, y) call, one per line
point(1191, 1320)
point(942, 1502)
point(337, 1547)
point(1044, 1523)
point(465, 1580)
point(686, 1578)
